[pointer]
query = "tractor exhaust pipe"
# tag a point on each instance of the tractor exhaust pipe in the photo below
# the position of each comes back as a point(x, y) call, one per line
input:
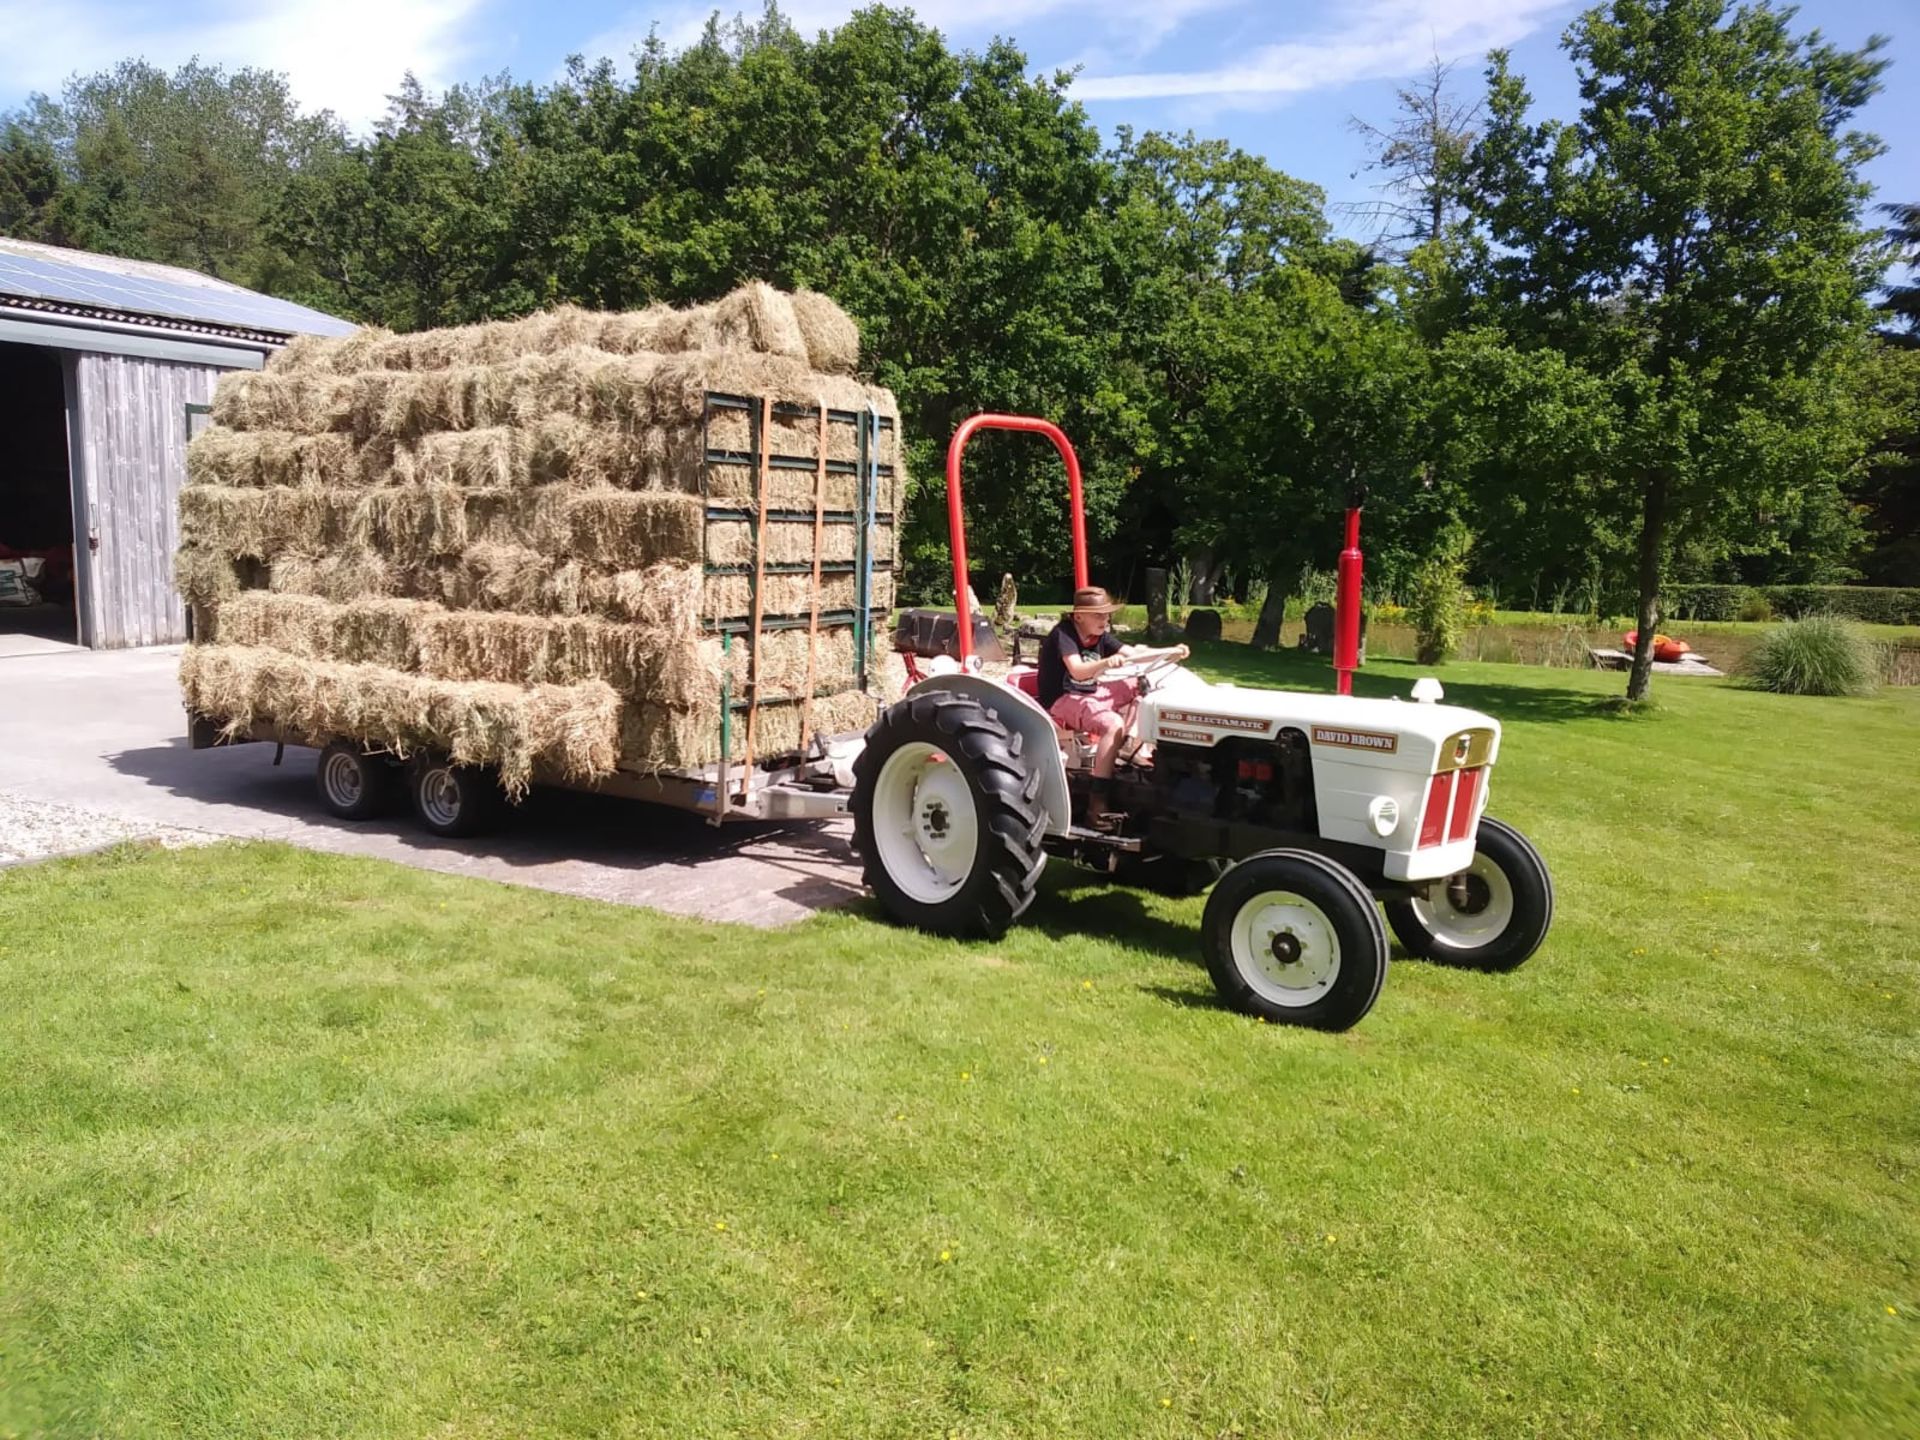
point(1346, 601)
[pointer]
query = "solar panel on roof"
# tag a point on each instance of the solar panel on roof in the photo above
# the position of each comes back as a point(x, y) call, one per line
point(35, 277)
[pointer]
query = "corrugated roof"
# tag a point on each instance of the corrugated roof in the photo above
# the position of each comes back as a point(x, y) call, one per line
point(78, 281)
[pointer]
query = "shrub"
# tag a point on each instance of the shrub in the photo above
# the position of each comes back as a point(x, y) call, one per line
point(1704, 602)
point(1820, 655)
point(1878, 604)
point(1440, 597)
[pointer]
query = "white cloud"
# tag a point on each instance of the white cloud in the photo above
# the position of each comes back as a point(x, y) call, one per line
point(342, 55)
point(1377, 39)
point(1129, 28)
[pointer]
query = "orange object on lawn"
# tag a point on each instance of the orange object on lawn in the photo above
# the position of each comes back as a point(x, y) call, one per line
point(1666, 649)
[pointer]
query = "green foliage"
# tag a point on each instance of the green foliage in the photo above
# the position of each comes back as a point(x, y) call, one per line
point(1709, 163)
point(1706, 602)
point(187, 168)
point(1440, 597)
point(1879, 605)
point(1570, 360)
point(1820, 655)
point(1902, 304)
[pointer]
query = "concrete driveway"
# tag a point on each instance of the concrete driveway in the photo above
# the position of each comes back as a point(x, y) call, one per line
point(102, 731)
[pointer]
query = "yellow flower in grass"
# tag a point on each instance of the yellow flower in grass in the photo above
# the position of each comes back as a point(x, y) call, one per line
point(719, 1225)
point(946, 1257)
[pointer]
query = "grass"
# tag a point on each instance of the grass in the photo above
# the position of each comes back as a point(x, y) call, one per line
point(300, 1145)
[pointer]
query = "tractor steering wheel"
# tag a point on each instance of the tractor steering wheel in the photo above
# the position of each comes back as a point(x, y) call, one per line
point(1143, 671)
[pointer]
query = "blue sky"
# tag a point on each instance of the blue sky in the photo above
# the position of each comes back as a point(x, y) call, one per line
point(1278, 78)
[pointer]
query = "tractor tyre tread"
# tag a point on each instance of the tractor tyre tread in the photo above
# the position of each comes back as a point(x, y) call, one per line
point(1006, 791)
point(1533, 908)
point(1349, 907)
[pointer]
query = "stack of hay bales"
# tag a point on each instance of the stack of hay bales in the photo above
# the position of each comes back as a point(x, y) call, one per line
point(522, 543)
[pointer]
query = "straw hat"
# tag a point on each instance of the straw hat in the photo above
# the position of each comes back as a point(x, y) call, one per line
point(1093, 599)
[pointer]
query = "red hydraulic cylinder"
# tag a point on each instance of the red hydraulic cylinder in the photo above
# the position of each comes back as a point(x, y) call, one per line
point(1346, 608)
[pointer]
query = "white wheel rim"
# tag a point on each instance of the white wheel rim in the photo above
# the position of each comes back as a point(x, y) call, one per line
point(925, 824)
point(1482, 918)
point(440, 796)
point(344, 777)
point(1285, 948)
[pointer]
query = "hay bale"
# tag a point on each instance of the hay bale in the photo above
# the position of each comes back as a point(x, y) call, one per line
point(832, 339)
point(347, 573)
point(448, 540)
point(665, 665)
point(787, 542)
point(726, 597)
point(755, 317)
point(653, 738)
point(571, 729)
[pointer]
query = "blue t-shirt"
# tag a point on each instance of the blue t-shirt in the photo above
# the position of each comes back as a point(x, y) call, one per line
point(1064, 641)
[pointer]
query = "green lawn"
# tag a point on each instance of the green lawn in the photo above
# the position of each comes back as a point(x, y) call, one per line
point(301, 1146)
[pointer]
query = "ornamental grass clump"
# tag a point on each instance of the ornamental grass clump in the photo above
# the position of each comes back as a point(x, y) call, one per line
point(1820, 655)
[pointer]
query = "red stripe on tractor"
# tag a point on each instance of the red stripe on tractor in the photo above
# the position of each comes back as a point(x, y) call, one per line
point(1464, 795)
point(1433, 820)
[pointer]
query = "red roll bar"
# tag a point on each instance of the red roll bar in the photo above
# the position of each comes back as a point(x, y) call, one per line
point(956, 518)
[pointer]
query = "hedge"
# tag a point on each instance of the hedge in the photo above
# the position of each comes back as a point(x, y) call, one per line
point(1877, 604)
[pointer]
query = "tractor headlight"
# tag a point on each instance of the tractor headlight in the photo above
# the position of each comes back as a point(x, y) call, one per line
point(1383, 812)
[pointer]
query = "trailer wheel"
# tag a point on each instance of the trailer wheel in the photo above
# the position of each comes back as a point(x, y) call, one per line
point(947, 817)
point(1491, 916)
point(353, 784)
point(1292, 936)
point(454, 801)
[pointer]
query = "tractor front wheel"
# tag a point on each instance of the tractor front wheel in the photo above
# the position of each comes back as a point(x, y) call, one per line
point(1292, 936)
point(1491, 916)
point(947, 816)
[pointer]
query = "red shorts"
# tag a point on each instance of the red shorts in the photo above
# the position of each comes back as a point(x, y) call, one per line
point(1082, 713)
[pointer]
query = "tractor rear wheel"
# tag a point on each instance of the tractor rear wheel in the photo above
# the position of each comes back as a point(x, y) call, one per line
point(1491, 916)
point(1292, 936)
point(947, 816)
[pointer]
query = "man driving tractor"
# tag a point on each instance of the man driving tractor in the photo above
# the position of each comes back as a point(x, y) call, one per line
point(1081, 649)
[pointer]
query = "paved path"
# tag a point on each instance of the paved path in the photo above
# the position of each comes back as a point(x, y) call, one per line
point(102, 731)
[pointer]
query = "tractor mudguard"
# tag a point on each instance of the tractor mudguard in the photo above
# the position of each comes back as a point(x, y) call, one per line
point(1039, 741)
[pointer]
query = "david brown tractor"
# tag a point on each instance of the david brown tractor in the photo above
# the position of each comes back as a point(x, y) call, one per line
point(1301, 810)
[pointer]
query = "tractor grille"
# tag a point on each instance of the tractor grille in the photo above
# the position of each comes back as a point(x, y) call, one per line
point(1451, 798)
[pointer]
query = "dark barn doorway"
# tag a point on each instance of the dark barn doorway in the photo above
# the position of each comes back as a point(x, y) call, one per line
point(36, 498)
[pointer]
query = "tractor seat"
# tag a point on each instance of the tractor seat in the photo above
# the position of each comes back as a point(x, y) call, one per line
point(1026, 679)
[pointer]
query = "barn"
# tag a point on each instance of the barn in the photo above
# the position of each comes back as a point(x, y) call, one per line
point(107, 366)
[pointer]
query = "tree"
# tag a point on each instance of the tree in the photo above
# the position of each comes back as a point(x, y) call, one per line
point(1694, 240)
point(1903, 301)
point(186, 168)
point(1423, 154)
point(30, 186)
